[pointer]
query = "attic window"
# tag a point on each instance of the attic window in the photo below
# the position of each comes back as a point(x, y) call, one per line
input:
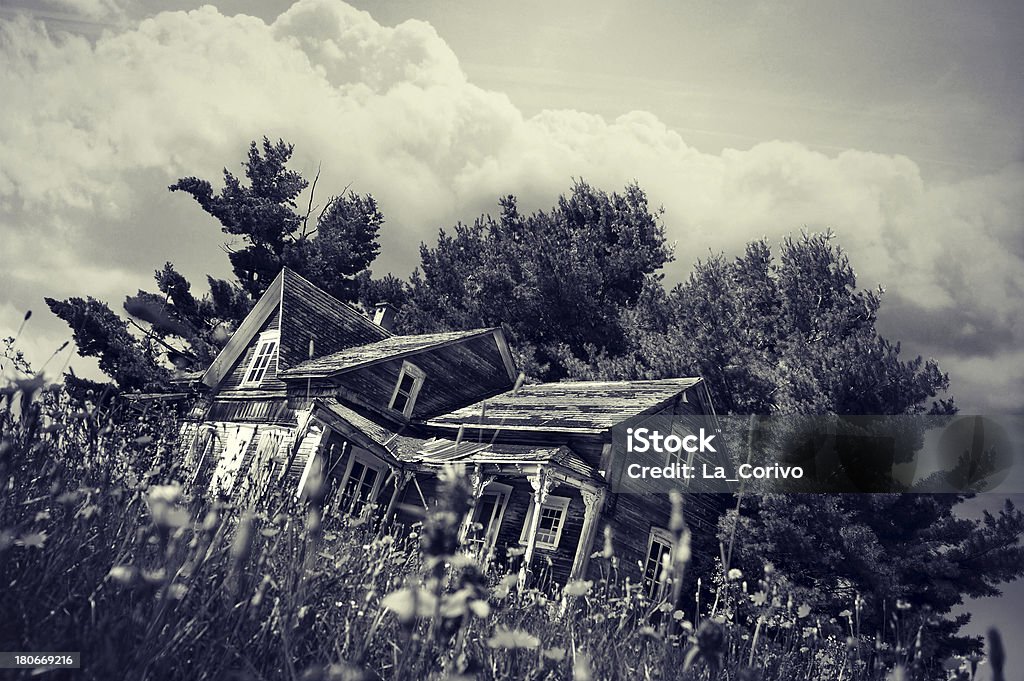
point(265, 349)
point(410, 380)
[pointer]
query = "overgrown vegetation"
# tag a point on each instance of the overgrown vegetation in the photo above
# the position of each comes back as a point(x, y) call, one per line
point(97, 530)
point(103, 551)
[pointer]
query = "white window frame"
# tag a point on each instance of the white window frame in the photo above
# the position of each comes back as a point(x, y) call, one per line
point(663, 537)
point(367, 461)
point(418, 376)
point(267, 338)
point(560, 504)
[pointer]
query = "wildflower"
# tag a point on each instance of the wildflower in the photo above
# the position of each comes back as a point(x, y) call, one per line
point(167, 494)
point(125, 575)
point(177, 591)
point(408, 603)
point(505, 586)
point(902, 605)
point(512, 638)
point(648, 632)
point(577, 587)
point(803, 611)
point(759, 598)
point(554, 654)
point(34, 540)
point(735, 574)
point(154, 576)
point(581, 668)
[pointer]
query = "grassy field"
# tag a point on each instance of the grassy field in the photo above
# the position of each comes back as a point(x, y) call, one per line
point(102, 551)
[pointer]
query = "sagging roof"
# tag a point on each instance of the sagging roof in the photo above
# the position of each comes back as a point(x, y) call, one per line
point(380, 351)
point(572, 407)
point(376, 435)
point(437, 452)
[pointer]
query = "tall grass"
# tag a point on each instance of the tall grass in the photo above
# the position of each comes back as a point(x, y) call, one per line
point(102, 551)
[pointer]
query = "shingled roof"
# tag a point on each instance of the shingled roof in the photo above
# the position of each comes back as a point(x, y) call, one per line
point(379, 351)
point(574, 407)
point(307, 312)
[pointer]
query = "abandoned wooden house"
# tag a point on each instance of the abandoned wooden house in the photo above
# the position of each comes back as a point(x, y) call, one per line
point(308, 386)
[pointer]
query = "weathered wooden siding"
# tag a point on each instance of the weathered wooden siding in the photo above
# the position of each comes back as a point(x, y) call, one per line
point(549, 566)
point(639, 505)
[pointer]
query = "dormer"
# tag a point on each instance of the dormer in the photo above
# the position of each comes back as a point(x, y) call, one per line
point(410, 380)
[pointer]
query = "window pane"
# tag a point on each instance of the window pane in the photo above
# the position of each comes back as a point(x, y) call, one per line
point(406, 384)
point(365, 490)
point(260, 362)
point(655, 567)
point(351, 485)
point(549, 524)
point(401, 400)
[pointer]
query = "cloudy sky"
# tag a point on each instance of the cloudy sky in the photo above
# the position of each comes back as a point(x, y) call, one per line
point(900, 128)
point(897, 126)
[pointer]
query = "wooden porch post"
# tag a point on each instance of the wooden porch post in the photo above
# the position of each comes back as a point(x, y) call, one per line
point(477, 483)
point(541, 484)
point(401, 480)
point(592, 501)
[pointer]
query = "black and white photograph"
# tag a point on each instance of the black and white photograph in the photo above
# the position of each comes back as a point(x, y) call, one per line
point(556, 341)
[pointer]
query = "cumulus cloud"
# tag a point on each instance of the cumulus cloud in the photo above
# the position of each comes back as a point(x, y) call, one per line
point(94, 131)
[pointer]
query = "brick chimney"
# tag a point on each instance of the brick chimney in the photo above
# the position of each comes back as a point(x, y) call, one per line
point(384, 315)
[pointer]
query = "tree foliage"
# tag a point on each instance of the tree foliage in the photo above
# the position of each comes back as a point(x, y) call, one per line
point(909, 552)
point(100, 333)
point(559, 279)
point(176, 329)
point(264, 214)
point(787, 336)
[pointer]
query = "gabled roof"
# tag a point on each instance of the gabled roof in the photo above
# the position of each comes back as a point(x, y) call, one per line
point(306, 313)
point(380, 351)
point(572, 407)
